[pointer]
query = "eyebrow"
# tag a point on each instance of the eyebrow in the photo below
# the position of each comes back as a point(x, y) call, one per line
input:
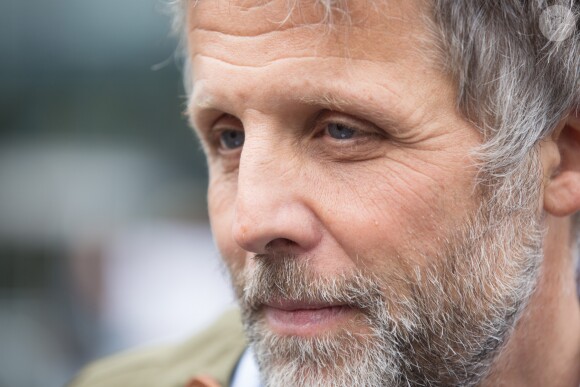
point(326, 99)
point(357, 105)
point(375, 105)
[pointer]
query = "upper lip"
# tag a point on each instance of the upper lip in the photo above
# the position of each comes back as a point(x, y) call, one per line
point(292, 305)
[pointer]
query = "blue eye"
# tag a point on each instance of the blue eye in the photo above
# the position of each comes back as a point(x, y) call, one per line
point(232, 139)
point(340, 132)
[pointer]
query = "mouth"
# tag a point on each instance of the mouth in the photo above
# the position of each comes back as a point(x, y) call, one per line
point(300, 318)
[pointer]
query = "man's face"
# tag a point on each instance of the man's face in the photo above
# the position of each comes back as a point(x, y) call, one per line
point(342, 194)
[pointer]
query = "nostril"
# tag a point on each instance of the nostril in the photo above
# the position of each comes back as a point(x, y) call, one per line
point(273, 223)
point(280, 244)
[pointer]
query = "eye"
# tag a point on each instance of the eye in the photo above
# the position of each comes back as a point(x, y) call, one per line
point(231, 139)
point(340, 131)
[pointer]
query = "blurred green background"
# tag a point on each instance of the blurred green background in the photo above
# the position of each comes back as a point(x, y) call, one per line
point(104, 242)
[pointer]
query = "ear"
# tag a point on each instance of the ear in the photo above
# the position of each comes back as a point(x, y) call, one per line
point(562, 193)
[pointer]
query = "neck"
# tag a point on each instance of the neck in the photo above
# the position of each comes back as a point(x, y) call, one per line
point(544, 349)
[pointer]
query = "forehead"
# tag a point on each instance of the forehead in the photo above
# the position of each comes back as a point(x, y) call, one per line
point(267, 55)
point(369, 29)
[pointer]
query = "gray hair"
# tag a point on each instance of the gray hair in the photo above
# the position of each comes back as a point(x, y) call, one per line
point(514, 82)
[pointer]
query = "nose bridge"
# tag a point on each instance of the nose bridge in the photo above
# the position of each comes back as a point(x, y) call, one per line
point(266, 162)
point(262, 165)
point(270, 207)
point(260, 160)
point(260, 175)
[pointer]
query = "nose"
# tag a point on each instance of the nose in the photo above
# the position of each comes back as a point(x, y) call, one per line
point(271, 209)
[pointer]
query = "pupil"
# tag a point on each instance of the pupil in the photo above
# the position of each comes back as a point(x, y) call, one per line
point(340, 131)
point(232, 139)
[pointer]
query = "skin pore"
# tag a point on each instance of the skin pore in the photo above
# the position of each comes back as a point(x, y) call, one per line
point(340, 148)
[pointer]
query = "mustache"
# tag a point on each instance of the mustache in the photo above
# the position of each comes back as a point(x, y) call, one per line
point(292, 278)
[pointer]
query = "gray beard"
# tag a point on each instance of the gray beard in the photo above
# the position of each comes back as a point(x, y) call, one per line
point(439, 324)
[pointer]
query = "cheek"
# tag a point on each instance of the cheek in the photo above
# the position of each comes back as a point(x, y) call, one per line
point(390, 210)
point(221, 204)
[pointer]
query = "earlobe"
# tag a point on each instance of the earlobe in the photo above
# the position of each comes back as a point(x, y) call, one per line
point(562, 193)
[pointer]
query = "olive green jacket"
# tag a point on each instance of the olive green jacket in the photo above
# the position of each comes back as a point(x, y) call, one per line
point(213, 353)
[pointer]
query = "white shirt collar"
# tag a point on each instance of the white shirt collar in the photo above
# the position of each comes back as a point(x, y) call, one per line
point(246, 373)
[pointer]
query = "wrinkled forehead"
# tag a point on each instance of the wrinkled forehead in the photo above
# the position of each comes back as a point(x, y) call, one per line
point(264, 14)
point(260, 30)
point(294, 12)
point(256, 17)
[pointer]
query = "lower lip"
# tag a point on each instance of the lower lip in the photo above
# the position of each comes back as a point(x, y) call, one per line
point(306, 322)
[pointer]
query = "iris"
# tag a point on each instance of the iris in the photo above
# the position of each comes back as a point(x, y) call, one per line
point(232, 139)
point(340, 132)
